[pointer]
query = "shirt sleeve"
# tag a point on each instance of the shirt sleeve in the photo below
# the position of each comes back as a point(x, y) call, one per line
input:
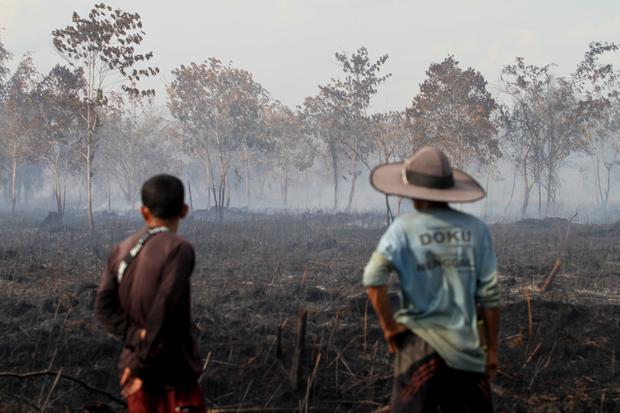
point(387, 256)
point(487, 289)
point(108, 309)
point(174, 289)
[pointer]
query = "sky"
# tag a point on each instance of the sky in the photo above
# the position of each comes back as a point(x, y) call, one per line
point(289, 46)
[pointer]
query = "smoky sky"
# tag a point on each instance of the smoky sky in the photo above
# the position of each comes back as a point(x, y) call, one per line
point(289, 45)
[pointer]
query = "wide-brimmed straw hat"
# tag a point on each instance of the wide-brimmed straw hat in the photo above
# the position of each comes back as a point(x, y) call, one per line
point(426, 175)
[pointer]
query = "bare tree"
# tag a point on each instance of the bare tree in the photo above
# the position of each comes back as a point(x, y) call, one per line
point(542, 128)
point(454, 112)
point(19, 120)
point(391, 142)
point(323, 117)
point(59, 110)
point(134, 145)
point(354, 93)
point(292, 149)
point(5, 57)
point(103, 45)
point(598, 84)
point(390, 136)
point(220, 108)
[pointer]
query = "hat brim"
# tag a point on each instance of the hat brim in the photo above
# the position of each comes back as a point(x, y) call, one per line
point(388, 179)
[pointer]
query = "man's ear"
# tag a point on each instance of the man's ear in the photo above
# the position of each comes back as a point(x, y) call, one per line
point(145, 212)
point(184, 211)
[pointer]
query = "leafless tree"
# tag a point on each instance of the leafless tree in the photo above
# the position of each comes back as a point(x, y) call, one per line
point(454, 111)
point(293, 150)
point(222, 111)
point(103, 45)
point(362, 78)
point(598, 84)
point(58, 137)
point(18, 120)
point(542, 128)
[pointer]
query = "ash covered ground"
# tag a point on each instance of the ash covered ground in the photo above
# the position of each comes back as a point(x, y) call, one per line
point(254, 276)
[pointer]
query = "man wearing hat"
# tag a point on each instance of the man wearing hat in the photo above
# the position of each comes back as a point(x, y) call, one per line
point(447, 269)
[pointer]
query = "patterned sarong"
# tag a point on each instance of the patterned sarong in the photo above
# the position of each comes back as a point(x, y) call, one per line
point(164, 399)
point(423, 382)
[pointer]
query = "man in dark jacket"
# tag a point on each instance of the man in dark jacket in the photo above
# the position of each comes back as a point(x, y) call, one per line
point(144, 299)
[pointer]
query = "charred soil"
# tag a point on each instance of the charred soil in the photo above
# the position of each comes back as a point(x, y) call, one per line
point(254, 279)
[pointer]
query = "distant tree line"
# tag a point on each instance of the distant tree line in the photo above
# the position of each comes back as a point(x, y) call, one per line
point(89, 122)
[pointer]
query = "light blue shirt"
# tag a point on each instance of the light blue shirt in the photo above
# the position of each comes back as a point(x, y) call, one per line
point(446, 265)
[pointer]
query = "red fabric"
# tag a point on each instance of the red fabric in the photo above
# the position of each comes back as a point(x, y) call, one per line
point(187, 399)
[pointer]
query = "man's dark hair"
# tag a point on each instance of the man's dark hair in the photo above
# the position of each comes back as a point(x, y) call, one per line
point(163, 195)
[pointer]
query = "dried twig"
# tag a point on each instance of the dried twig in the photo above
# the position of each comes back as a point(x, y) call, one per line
point(310, 382)
point(558, 262)
point(204, 368)
point(66, 377)
point(366, 326)
point(549, 279)
point(295, 371)
point(49, 394)
point(528, 297)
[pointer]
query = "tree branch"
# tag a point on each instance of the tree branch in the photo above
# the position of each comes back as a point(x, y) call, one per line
point(66, 377)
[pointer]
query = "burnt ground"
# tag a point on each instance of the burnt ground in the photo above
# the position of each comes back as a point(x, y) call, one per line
point(256, 274)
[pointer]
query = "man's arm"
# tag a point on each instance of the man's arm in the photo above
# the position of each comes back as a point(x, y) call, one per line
point(376, 276)
point(107, 306)
point(380, 301)
point(491, 319)
point(488, 297)
point(174, 288)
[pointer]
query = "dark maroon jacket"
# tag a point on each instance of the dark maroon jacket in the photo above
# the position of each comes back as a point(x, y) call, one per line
point(154, 294)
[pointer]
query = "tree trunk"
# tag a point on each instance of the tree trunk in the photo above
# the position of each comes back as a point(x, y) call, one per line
point(189, 193)
point(248, 192)
point(388, 211)
point(80, 188)
point(89, 174)
point(210, 184)
point(549, 199)
point(133, 197)
point(597, 181)
point(109, 190)
point(13, 183)
point(527, 188)
point(526, 201)
point(351, 193)
point(220, 198)
point(285, 188)
point(353, 182)
point(64, 194)
point(512, 191)
point(57, 190)
point(228, 191)
point(539, 198)
point(486, 198)
point(334, 157)
point(551, 188)
point(608, 186)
